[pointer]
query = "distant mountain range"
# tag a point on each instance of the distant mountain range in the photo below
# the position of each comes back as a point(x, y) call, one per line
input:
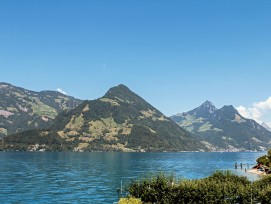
point(119, 121)
point(224, 129)
point(21, 109)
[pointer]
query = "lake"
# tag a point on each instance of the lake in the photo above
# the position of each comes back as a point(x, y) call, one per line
point(43, 177)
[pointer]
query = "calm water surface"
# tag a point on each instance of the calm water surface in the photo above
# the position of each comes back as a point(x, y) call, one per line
point(94, 177)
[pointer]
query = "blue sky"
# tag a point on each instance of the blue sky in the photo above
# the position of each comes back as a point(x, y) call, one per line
point(174, 53)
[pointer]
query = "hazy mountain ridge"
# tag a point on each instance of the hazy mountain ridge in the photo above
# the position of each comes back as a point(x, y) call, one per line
point(266, 126)
point(22, 109)
point(224, 129)
point(119, 121)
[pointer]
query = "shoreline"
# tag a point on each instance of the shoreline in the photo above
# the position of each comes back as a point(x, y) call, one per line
point(255, 171)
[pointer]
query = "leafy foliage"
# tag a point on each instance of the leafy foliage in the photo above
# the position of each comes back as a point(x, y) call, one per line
point(44, 139)
point(221, 187)
point(265, 159)
point(129, 201)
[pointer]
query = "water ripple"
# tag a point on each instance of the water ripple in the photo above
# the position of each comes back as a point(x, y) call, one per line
point(94, 177)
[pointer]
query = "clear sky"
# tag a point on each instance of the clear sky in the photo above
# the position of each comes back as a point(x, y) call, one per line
point(174, 53)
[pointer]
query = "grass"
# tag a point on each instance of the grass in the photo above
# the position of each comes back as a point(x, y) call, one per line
point(75, 122)
point(109, 127)
point(42, 109)
point(111, 101)
point(205, 127)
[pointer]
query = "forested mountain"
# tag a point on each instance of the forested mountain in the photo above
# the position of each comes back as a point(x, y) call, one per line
point(119, 121)
point(22, 109)
point(224, 129)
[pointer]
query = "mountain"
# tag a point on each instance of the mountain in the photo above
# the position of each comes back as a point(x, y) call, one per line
point(22, 109)
point(119, 121)
point(266, 127)
point(224, 129)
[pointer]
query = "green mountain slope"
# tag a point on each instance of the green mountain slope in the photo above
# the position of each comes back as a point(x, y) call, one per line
point(224, 129)
point(120, 121)
point(21, 109)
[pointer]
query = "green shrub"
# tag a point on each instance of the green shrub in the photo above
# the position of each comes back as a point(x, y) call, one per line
point(220, 187)
point(129, 201)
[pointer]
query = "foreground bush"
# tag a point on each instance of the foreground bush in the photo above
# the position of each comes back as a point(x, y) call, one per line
point(129, 201)
point(221, 187)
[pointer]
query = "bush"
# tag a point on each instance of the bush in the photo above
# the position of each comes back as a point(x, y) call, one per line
point(129, 201)
point(220, 187)
point(265, 160)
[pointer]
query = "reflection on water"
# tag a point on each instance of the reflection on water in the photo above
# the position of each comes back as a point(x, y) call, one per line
point(94, 177)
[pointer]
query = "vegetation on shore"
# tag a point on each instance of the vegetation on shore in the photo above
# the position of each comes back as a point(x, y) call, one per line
point(265, 159)
point(220, 187)
point(130, 201)
point(36, 140)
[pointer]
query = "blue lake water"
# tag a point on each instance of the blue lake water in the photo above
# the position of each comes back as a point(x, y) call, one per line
point(27, 177)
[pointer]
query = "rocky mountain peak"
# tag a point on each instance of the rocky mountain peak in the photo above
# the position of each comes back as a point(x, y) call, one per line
point(118, 91)
point(229, 109)
point(205, 110)
point(224, 128)
point(123, 94)
point(209, 106)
